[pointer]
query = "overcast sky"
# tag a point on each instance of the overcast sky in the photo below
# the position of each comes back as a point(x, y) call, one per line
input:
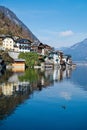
point(59, 23)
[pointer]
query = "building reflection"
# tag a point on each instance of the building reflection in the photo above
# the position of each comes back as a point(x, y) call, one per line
point(15, 88)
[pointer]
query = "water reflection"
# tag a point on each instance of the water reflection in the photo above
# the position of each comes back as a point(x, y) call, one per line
point(15, 88)
point(12, 83)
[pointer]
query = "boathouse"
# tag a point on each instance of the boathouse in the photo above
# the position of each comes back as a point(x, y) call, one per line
point(18, 65)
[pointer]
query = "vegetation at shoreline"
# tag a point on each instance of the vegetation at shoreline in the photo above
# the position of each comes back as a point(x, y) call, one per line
point(31, 58)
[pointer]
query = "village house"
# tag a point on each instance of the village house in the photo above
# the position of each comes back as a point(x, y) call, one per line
point(34, 46)
point(53, 57)
point(48, 49)
point(22, 45)
point(18, 65)
point(8, 43)
point(40, 48)
point(67, 59)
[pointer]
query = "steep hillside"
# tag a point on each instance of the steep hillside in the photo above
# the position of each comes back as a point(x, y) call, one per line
point(78, 51)
point(11, 25)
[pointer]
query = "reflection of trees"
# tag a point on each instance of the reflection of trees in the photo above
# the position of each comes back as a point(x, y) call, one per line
point(39, 79)
point(30, 75)
point(36, 79)
point(4, 75)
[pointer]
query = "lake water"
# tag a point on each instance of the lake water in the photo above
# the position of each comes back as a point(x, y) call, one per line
point(44, 100)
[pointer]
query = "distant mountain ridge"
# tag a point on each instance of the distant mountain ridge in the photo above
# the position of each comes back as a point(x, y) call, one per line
point(11, 25)
point(78, 51)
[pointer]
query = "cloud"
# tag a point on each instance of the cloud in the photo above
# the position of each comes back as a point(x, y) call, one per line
point(56, 38)
point(66, 33)
point(65, 95)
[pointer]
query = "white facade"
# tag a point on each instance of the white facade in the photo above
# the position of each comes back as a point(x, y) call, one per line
point(55, 58)
point(8, 43)
point(22, 47)
point(43, 52)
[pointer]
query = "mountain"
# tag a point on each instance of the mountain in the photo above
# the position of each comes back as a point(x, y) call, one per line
point(11, 25)
point(78, 51)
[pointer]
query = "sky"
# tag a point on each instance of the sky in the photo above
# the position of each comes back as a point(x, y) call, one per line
point(58, 23)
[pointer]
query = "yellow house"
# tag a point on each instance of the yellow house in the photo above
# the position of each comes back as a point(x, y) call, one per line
point(8, 43)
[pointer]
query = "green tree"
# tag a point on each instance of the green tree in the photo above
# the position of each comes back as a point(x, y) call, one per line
point(31, 58)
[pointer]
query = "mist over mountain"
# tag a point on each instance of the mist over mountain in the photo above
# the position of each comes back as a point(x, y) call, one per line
point(11, 25)
point(78, 51)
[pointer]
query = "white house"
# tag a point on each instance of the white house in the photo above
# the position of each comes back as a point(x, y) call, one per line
point(53, 56)
point(22, 45)
point(8, 43)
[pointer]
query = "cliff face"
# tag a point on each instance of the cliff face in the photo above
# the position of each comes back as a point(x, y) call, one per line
point(11, 25)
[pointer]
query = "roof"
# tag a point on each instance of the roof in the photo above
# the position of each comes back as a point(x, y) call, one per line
point(24, 41)
point(19, 60)
point(35, 44)
point(10, 37)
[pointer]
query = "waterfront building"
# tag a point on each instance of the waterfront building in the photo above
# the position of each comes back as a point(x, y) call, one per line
point(18, 65)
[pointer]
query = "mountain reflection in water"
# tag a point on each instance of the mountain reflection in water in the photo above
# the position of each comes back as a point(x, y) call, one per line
point(15, 88)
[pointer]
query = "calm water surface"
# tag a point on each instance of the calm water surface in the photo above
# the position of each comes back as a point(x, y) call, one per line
point(44, 100)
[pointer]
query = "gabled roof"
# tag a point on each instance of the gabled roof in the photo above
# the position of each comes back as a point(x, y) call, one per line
point(47, 46)
point(24, 41)
point(10, 37)
point(41, 45)
point(35, 44)
point(19, 60)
